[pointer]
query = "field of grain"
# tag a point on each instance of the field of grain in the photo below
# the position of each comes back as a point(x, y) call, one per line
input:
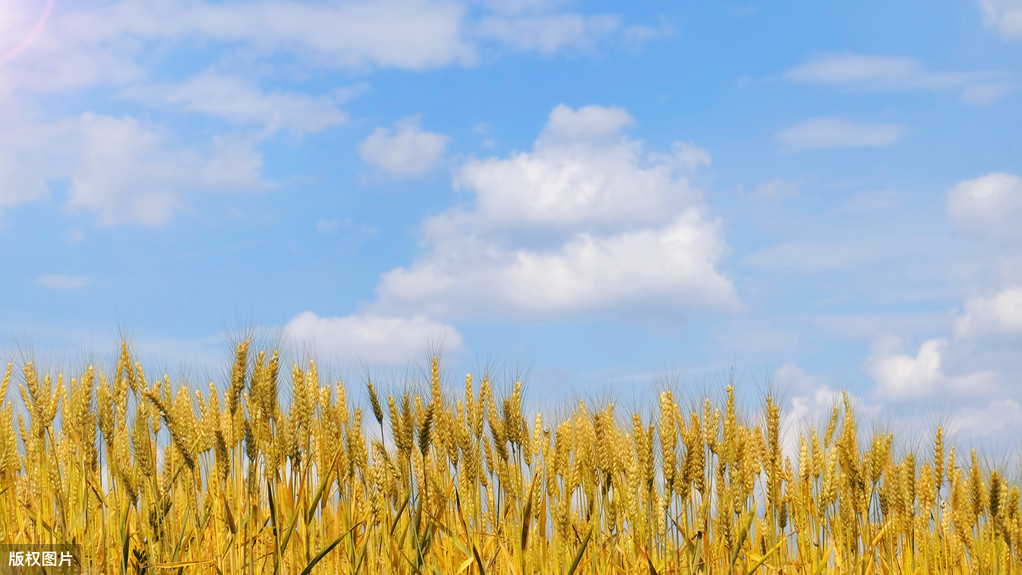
point(151, 477)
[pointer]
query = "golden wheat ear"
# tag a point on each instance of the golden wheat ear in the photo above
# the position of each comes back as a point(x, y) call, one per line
point(142, 476)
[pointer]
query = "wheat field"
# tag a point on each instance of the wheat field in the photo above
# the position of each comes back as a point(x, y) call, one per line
point(151, 477)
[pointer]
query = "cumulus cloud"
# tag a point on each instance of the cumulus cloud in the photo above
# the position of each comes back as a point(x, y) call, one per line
point(405, 151)
point(117, 168)
point(127, 47)
point(837, 133)
point(671, 266)
point(1003, 15)
point(900, 376)
point(586, 221)
point(126, 173)
point(998, 315)
point(989, 206)
point(895, 73)
point(63, 282)
point(369, 337)
point(581, 175)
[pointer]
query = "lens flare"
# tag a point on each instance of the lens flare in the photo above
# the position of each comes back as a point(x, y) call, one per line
point(36, 30)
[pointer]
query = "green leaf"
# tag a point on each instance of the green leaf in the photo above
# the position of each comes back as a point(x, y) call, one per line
point(319, 556)
point(581, 551)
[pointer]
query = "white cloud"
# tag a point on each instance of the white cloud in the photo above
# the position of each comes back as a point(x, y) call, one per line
point(585, 222)
point(236, 100)
point(987, 93)
point(404, 151)
point(989, 206)
point(128, 43)
point(996, 418)
point(127, 47)
point(63, 282)
point(33, 152)
point(895, 73)
point(745, 336)
point(878, 71)
point(371, 337)
point(872, 201)
point(117, 168)
point(20, 183)
point(815, 257)
point(791, 377)
point(777, 189)
point(20, 24)
point(412, 34)
point(900, 376)
point(670, 267)
point(581, 175)
point(586, 126)
point(866, 326)
point(836, 133)
point(999, 315)
point(637, 34)
point(540, 26)
point(810, 403)
point(1005, 16)
point(522, 6)
point(347, 228)
point(328, 226)
point(548, 33)
point(125, 173)
point(102, 43)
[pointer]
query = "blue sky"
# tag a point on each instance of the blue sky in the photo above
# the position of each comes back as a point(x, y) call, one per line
point(824, 194)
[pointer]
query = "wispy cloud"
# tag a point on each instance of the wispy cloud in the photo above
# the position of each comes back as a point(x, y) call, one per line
point(63, 282)
point(778, 189)
point(898, 73)
point(102, 43)
point(347, 229)
point(239, 101)
point(548, 33)
point(869, 326)
point(836, 133)
point(821, 256)
point(872, 201)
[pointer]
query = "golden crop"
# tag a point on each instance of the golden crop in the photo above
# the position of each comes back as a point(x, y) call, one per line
point(178, 481)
